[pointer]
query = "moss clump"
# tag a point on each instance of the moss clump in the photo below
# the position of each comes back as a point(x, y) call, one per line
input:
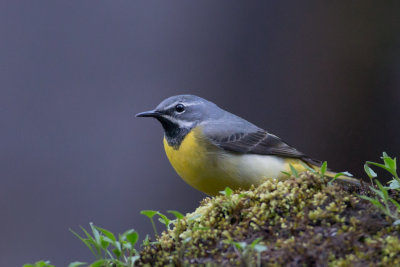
point(298, 222)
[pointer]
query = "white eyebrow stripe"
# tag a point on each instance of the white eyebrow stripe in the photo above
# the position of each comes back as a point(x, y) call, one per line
point(181, 123)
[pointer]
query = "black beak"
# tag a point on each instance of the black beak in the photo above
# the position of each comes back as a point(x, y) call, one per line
point(150, 113)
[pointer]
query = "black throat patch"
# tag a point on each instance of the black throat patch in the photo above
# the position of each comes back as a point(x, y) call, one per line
point(173, 133)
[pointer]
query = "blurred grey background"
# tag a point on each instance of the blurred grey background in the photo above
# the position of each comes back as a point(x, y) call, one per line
point(323, 76)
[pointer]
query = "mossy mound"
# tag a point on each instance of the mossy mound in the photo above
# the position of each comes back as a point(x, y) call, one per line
point(298, 222)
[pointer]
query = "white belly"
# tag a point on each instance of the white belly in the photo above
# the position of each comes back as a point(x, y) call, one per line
point(250, 168)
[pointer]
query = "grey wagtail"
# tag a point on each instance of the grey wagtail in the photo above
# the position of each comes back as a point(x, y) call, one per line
point(211, 148)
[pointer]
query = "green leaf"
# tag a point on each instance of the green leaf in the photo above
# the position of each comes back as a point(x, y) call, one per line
point(255, 242)
point(339, 174)
point(335, 177)
point(96, 233)
point(116, 263)
point(105, 242)
point(366, 198)
point(76, 264)
point(286, 173)
point(374, 201)
point(46, 264)
point(164, 219)
point(378, 192)
point(370, 172)
point(117, 252)
point(89, 237)
point(132, 237)
point(101, 263)
point(240, 245)
point(86, 241)
point(227, 192)
point(294, 171)
point(106, 233)
point(346, 173)
point(390, 163)
point(39, 264)
point(127, 232)
point(376, 164)
point(379, 165)
point(383, 190)
point(149, 213)
point(324, 166)
point(394, 184)
point(118, 246)
point(177, 214)
point(146, 241)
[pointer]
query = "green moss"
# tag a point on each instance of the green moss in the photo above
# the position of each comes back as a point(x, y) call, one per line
point(300, 221)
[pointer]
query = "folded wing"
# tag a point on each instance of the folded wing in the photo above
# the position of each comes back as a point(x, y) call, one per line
point(255, 141)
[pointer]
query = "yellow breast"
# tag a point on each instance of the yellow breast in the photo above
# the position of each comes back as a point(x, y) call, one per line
point(191, 159)
point(205, 166)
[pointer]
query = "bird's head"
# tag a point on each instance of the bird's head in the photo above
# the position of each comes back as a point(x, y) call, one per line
point(179, 114)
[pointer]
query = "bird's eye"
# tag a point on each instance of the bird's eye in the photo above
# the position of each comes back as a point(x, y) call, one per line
point(180, 108)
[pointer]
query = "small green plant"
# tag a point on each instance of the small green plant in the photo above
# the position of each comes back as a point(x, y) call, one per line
point(39, 264)
point(246, 251)
point(337, 175)
point(226, 192)
point(322, 173)
point(389, 165)
point(150, 214)
point(383, 199)
point(146, 241)
point(323, 169)
point(108, 250)
point(293, 172)
point(163, 218)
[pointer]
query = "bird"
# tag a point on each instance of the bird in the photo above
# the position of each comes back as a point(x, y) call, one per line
point(211, 148)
